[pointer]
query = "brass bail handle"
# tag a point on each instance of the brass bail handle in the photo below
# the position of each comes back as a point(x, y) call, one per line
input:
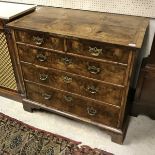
point(93, 69)
point(66, 60)
point(38, 40)
point(46, 96)
point(43, 77)
point(95, 51)
point(91, 111)
point(41, 57)
point(68, 98)
point(92, 89)
point(67, 79)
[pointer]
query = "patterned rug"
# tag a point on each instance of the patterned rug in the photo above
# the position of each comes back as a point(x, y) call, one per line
point(18, 138)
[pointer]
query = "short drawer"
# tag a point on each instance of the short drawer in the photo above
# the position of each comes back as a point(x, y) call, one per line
point(112, 73)
point(72, 104)
point(98, 50)
point(73, 83)
point(40, 39)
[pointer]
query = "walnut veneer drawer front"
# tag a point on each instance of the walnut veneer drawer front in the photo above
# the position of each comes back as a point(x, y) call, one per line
point(70, 103)
point(98, 50)
point(40, 39)
point(73, 83)
point(113, 73)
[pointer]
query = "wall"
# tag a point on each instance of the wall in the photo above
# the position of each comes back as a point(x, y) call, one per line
point(145, 51)
point(150, 36)
point(129, 7)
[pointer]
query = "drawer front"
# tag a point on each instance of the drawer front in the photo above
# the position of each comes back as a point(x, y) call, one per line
point(113, 73)
point(72, 104)
point(40, 39)
point(73, 83)
point(98, 50)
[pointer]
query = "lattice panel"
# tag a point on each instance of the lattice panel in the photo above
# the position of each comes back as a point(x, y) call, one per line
point(7, 78)
point(130, 7)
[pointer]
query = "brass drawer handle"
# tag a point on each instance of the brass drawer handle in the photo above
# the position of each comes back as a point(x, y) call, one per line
point(66, 60)
point(38, 40)
point(68, 98)
point(92, 89)
point(46, 96)
point(94, 69)
point(95, 51)
point(91, 111)
point(67, 79)
point(41, 57)
point(43, 77)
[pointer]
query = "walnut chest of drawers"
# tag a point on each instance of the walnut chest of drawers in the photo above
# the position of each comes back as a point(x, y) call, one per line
point(78, 63)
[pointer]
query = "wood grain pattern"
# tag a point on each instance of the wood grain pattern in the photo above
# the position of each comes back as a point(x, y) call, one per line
point(40, 39)
point(98, 50)
point(73, 83)
point(72, 104)
point(112, 73)
point(103, 27)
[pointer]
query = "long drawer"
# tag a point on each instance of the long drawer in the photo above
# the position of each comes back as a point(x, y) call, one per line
point(73, 83)
point(73, 104)
point(108, 72)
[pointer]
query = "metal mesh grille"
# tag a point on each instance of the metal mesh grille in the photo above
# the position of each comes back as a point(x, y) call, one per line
point(7, 78)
